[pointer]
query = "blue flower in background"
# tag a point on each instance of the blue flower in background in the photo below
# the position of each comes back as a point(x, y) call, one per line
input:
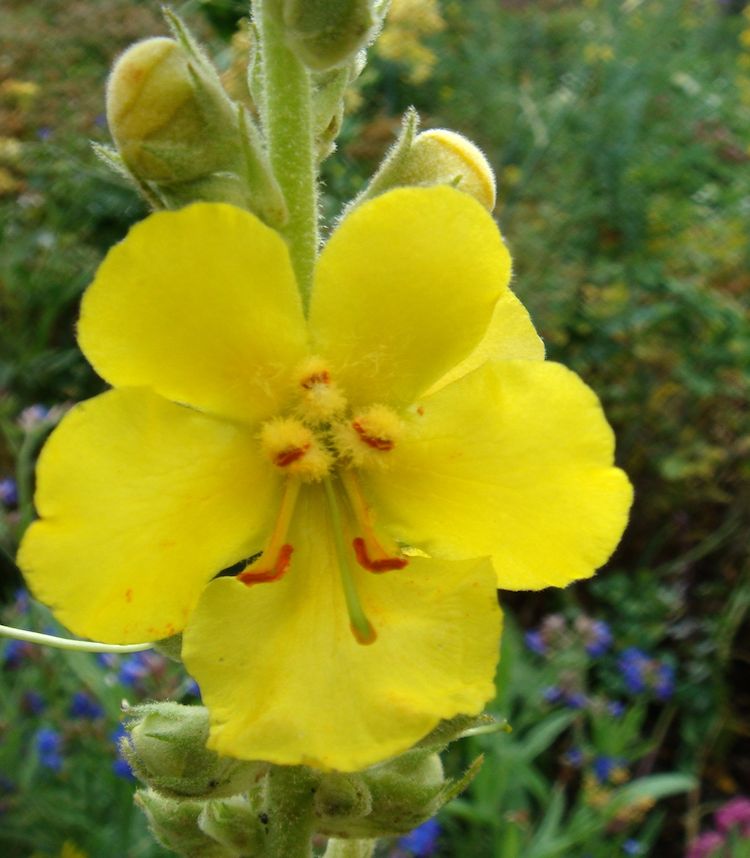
point(552, 694)
point(607, 768)
point(48, 744)
point(575, 700)
point(632, 847)
point(22, 601)
point(616, 709)
point(598, 638)
point(8, 492)
point(643, 673)
point(663, 681)
point(633, 663)
point(573, 758)
point(423, 840)
point(14, 653)
point(108, 660)
point(120, 766)
point(33, 702)
point(84, 706)
point(535, 642)
point(135, 669)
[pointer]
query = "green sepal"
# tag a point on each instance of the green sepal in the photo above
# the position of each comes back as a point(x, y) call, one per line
point(166, 749)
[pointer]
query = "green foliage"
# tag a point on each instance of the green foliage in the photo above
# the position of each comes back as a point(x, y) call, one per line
point(619, 133)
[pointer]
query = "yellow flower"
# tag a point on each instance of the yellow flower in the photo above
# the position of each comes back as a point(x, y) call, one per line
point(377, 453)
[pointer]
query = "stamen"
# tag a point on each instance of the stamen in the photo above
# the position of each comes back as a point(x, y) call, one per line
point(293, 447)
point(373, 553)
point(277, 554)
point(361, 627)
point(320, 398)
point(372, 440)
point(380, 564)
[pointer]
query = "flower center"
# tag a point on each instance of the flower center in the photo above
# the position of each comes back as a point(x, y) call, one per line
point(321, 441)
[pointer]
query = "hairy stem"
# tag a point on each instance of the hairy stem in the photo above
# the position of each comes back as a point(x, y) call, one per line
point(288, 122)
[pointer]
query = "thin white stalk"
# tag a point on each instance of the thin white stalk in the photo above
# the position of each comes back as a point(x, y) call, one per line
point(69, 643)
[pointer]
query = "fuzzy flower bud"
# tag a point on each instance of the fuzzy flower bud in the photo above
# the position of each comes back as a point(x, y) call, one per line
point(435, 157)
point(167, 750)
point(168, 114)
point(326, 33)
point(175, 825)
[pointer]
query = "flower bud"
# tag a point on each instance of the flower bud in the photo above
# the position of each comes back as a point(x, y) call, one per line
point(435, 157)
point(238, 823)
point(342, 796)
point(167, 750)
point(175, 825)
point(169, 116)
point(326, 33)
point(180, 137)
point(385, 800)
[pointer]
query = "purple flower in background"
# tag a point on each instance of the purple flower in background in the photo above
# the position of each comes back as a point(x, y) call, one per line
point(575, 700)
point(8, 492)
point(22, 601)
point(192, 689)
point(84, 706)
point(15, 652)
point(598, 638)
point(643, 673)
point(605, 767)
point(552, 694)
point(120, 766)
point(706, 846)
point(663, 680)
point(33, 702)
point(632, 664)
point(48, 744)
point(423, 840)
point(107, 660)
point(616, 709)
point(632, 847)
point(136, 668)
point(734, 814)
point(573, 758)
point(535, 642)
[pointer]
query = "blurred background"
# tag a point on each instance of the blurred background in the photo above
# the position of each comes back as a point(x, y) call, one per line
point(620, 134)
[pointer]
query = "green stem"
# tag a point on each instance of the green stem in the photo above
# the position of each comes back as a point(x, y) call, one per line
point(288, 124)
point(350, 848)
point(290, 812)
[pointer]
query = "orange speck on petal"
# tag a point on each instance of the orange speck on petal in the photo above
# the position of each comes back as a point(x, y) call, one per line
point(263, 576)
point(128, 595)
point(380, 564)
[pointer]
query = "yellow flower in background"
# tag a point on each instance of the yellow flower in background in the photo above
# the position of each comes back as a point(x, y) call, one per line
point(408, 22)
point(377, 453)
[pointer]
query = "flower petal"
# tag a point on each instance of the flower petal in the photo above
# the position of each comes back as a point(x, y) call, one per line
point(510, 336)
point(141, 503)
point(405, 289)
point(515, 461)
point(201, 306)
point(285, 680)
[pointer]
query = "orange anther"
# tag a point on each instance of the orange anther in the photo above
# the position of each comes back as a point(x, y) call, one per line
point(262, 576)
point(290, 454)
point(322, 377)
point(372, 440)
point(379, 564)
